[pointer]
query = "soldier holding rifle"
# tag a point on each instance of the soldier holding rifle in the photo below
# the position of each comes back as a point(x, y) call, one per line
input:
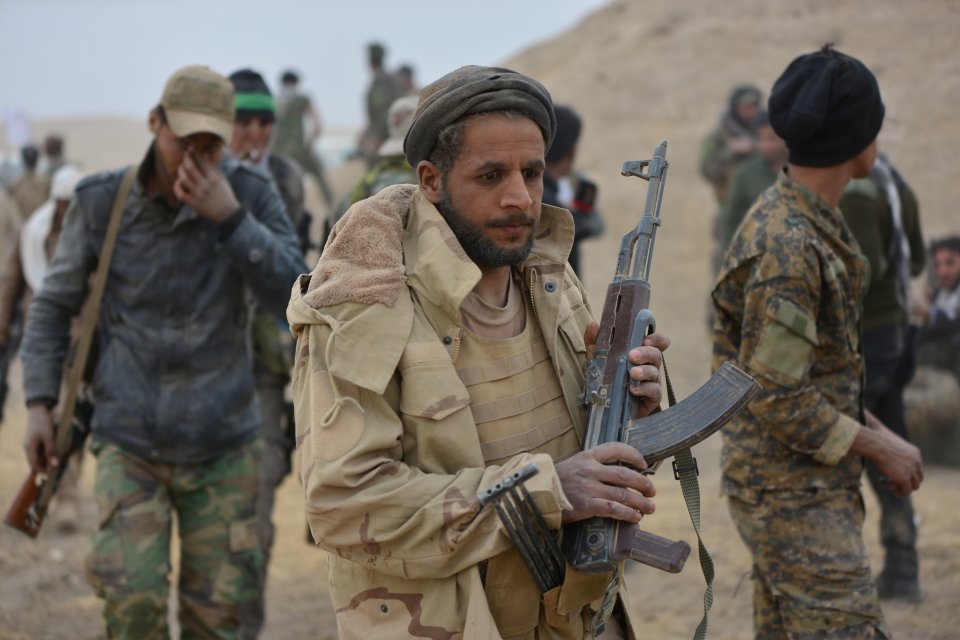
point(176, 424)
point(441, 344)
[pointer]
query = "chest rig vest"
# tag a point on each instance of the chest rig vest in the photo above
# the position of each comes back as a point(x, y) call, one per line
point(515, 397)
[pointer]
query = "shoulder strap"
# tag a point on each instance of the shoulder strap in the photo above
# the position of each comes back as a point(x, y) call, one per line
point(685, 470)
point(77, 361)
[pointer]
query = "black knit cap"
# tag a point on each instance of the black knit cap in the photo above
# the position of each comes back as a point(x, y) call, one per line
point(252, 95)
point(470, 91)
point(827, 108)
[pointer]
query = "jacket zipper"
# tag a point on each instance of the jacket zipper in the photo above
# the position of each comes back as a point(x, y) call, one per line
point(533, 303)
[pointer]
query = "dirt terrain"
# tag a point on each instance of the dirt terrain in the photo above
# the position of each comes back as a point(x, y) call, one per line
point(638, 73)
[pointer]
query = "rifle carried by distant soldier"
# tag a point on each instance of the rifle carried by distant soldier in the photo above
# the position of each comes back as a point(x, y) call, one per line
point(29, 507)
point(599, 544)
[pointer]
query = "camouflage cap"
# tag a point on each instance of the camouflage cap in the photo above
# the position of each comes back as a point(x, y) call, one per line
point(197, 99)
point(472, 90)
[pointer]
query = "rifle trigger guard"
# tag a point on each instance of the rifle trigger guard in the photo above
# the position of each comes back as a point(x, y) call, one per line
point(677, 469)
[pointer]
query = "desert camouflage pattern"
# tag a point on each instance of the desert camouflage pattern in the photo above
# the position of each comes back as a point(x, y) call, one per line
point(387, 444)
point(811, 578)
point(788, 312)
point(220, 556)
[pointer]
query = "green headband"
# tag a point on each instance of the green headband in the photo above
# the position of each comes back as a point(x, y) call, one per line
point(255, 102)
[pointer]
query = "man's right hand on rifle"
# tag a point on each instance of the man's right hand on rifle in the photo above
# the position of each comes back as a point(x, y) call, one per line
point(594, 481)
point(38, 440)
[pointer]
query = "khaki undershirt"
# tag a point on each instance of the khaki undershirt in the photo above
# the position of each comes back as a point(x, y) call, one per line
point(516, 398)
point(492, 322)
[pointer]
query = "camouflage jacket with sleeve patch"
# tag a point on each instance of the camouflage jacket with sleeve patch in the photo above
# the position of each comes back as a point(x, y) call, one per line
point(387, 447)
point(788, 302)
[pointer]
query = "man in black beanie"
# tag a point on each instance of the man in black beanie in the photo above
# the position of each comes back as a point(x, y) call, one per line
point(440, 348)
point(788, 310)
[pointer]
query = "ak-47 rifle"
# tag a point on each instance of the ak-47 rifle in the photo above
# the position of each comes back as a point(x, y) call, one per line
point(598, 544)
point(30, 506)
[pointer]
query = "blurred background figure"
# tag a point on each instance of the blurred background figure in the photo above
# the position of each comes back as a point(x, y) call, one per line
point(883, 214)
point(10, 221)
point(940, 337)
point(253, 127)
point(933, 397)
point(382, 91)
point(298, 128)
point(749, 179)
point(732, 141)
point(406, 80)
point(21, 275)
point(53, 154)
point(391, 166)
point(31, 188)
point(564, 187)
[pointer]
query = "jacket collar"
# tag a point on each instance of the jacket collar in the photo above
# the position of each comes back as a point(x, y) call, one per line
point(439, 269)
point(823, 216)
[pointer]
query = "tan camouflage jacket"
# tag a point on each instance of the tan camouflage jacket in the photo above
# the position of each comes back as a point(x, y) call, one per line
point(387, 448)
point(788, 312)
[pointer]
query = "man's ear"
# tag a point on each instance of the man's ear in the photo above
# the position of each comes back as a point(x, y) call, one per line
point(154, 122)
point(430, 180)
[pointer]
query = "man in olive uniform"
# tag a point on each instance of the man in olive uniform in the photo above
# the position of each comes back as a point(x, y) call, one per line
point(750, 179)
point(732, 141)
point(383, 90)
point(176, 426)
point(787, 311)
point(440, 346)
point(298, 129)
point(883, 215)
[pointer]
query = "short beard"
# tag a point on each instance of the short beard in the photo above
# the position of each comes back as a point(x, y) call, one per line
point(478, 247)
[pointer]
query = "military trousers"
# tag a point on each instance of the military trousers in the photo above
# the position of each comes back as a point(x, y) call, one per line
point(221, 560)
point(811, 573)
point(274, 463)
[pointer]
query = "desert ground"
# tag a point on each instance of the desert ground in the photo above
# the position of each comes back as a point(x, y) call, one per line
point(638, 73)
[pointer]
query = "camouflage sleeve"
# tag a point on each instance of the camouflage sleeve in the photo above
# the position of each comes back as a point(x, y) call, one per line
point(778, 347)
point(365, 503)
point(714, 157)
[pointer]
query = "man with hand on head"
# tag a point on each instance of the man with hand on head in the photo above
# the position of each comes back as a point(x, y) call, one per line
point(441, 340)
point(176, 424)
point(788, 306)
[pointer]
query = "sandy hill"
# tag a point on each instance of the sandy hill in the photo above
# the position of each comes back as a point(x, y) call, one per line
point(642, 72)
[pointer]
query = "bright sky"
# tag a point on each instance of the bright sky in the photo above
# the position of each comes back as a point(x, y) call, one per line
point(111, 57)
